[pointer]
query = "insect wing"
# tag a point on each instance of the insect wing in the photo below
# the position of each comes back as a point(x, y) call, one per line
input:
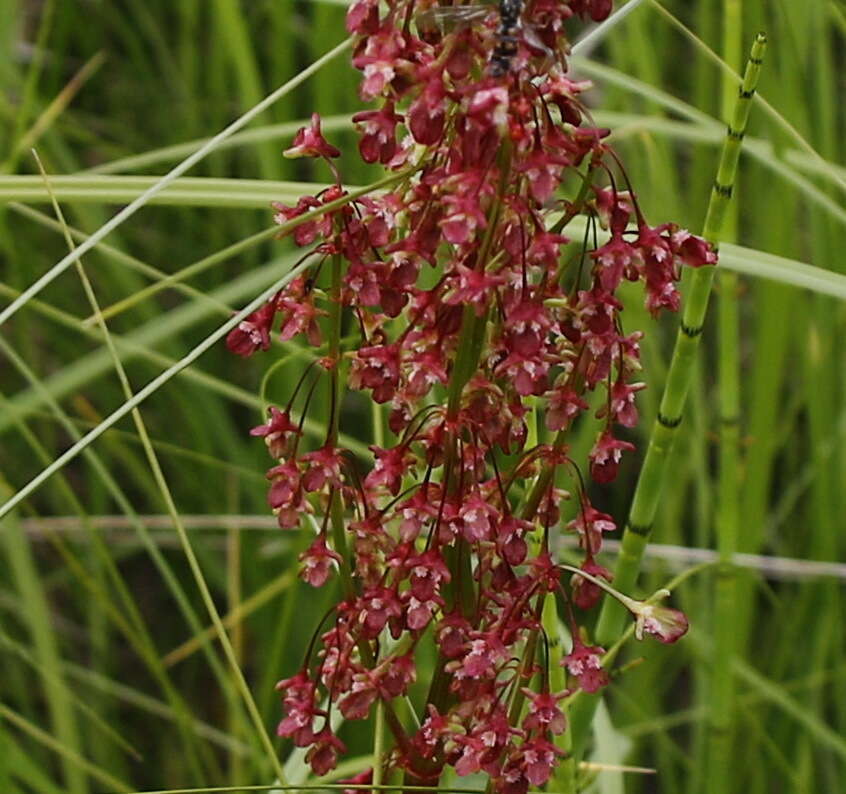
point(451, 17)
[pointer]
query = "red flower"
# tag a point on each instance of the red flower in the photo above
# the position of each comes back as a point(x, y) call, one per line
point(377, 606)
point(300, 317)
point(427, 115)
point(278, 432)
point(486, 651)
point(433, 728)
point(510, 537)
point(363, 17)
point(590, 524)
point(416, 510)
point(317, 562)
point(692, 250)
point(306, 233)
point(285, 496)
point(586, 594)
point(378, 127)
point(539, 759)
point(377, 368)
point(418, 614)
point(623, 408)
point(616, 260)
point(301, 706)
point(605, 457)
point(324, 469)
point(544, 714)
point(664, 623)
point(356, 704)
point(389, 468)
point(252, 333)
point(477, 517)
point(564, 404)
point(427, 571)
point(474, 288)
point(309, 142)
point(585, 662)
point(463, 216)
point(395, 674)
point(323, 754)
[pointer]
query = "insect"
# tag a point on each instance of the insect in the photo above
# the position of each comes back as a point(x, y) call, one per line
point(508, 35)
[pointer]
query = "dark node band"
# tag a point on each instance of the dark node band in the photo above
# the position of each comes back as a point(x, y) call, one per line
point(744, 94)
point(729, 421)
point(756, 61)
point(736, 135)
point(691, 332)
point(723, 190)
point(671, 424)
point(640, 529)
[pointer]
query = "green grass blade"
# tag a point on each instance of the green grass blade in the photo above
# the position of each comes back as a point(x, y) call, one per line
point(67, 753)
point(163, 182)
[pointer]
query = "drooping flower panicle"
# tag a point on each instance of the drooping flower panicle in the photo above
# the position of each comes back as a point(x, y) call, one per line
point(472, 304)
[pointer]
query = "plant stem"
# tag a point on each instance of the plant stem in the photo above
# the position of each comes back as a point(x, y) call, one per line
point(653, 473)
point(378, 743)
point(721, 698)
point(336, 506)
point(564, 779)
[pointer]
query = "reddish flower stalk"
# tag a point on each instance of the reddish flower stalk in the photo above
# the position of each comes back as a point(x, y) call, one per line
point(469, 299)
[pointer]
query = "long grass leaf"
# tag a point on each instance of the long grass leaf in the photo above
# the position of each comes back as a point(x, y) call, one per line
point(166, 180)
point(67, 753)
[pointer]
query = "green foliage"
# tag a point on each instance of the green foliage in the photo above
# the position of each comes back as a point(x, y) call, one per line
point(105, 645)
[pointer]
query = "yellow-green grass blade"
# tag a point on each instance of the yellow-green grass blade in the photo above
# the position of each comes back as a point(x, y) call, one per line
point(68, 754)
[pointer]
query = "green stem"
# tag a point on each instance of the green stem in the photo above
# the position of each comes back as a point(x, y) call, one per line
point(721, 697)
point(653, 474)
point(564, 779)
point(470, 342)
point(336, 506)
point(335, 351)
point(378, 744)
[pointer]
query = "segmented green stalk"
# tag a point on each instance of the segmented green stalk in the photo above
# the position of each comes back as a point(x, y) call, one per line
point(721, 697)
point(652, 475)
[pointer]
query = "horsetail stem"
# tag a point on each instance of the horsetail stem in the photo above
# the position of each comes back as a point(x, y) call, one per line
point(653, 473)
point(651, 480)
point(721, 697)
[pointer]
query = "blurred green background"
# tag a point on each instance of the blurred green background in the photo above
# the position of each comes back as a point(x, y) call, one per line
point(98, 691)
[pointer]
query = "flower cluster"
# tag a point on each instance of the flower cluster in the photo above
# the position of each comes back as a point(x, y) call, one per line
point(474, 308)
